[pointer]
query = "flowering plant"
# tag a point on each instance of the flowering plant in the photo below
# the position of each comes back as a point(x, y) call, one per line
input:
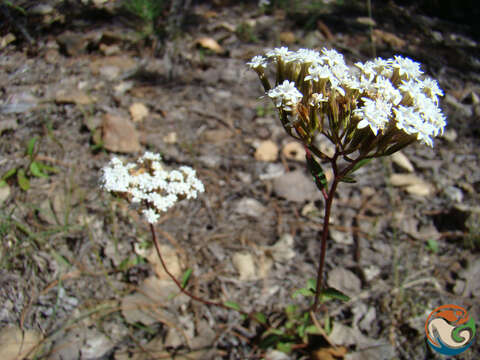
point(368, 110)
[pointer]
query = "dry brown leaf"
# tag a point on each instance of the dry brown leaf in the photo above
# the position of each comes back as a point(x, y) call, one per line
point(267, 151)
point(287, 37)
point(210, 44)
point(332, 353)
point(412, 184)
point(15, 345)
point(402, 161)
point(171, 260)
point(138, 111)
point(170, 138)
point(7, 39)
point(72, 96)
point(245, 265)
point(119, 134)
point(393, 40)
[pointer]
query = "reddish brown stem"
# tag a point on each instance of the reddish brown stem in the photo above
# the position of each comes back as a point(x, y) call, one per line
point(180, 287)
point(323, 250)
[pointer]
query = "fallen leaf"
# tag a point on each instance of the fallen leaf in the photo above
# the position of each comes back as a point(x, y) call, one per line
point(138, 111)
point(401, 160)
point(287, 37)
point(250, 207)
point(331, 353)
point(170, 138)
point(267, 151)
point(344, 280)
point(72, 96)
point(15, 344)
point(150, 304)
point(245, 265)
point(170, 257)
point(7, 39)
point(412, 184)
point(119, 134)
point(282, 250)
point(294, 151)
point(380, 36)
point(211, 44)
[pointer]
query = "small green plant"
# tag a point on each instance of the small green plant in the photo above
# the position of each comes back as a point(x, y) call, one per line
point(149, 11)
point(246, 32)
point(299, 323)
point(34, 168)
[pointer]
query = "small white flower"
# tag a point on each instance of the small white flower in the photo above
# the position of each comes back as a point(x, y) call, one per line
point(431, 88)
point(316, 99)
point(257, 62)
point(368, 69)
point(387, 91)
point(151, 215)
point(373, 113)
point(318, 72)
point(332, 57)
point(411, 87)
point(285, 96)
point(279, 53)
point(307, 56)
point(408, 67)
point(146, 183)
point(150, 156)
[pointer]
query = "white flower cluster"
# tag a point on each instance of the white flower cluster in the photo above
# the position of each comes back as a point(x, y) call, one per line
point(382, 93)
point(147, 183)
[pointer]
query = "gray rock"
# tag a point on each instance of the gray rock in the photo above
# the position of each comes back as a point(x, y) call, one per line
point(296, 186)
point(250, 207)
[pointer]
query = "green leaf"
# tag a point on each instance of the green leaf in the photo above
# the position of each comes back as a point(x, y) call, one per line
point(303, 291)
point(285, 347)
point(3, 183)
point(359, 164)
point(22, 180)
point(290, 310)
point(331, 293)
point(312, 284)
point(348, 179)
point(31, 146)
point(317, 172)
point(9, 173)
point(312, 329)
point(186, 277)
point(36, 171)
point(47, 168)
point(432, 245)
point(262, 319)
point(232, 305)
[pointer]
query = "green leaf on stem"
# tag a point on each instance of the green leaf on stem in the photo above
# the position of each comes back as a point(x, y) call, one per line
point(36, 171)
point(262, 319)
point(186, 277)
point(23, 180)
point(31, 146)
point(348, 179)
point(317, 172)
point(303, 291)
point(359, 164)
point(331, 293)
point(285, 347)
point(9, 173)
point(232, 305)
point(312, 284)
